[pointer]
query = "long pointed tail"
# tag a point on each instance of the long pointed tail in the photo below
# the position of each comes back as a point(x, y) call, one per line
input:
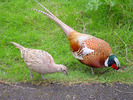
point(64, 27)
point(18, 46)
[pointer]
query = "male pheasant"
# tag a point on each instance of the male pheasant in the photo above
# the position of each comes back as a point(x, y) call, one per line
point(88, 49)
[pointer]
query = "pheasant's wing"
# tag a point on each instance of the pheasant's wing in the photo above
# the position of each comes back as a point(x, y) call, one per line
point(84, 50)
point(44, 56)
point(48, 57)
point(75, 54)
point(37, 57)
point(38, 60)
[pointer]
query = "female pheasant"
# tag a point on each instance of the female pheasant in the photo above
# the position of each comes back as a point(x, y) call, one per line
point(88, 49)
point(40, 61)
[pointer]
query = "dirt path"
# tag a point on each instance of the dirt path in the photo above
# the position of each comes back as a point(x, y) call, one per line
point(60, 92)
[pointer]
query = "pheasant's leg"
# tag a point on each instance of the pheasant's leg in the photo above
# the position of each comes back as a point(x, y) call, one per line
point(43, 77)
point(92, 72)
point(31, 76)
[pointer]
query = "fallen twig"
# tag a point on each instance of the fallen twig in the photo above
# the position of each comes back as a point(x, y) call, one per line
point(122, 91)
point(84, 28)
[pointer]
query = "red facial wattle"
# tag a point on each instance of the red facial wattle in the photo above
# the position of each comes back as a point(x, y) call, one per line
point(115, 67)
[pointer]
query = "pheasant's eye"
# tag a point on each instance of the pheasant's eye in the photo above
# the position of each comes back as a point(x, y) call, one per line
point(63, 70)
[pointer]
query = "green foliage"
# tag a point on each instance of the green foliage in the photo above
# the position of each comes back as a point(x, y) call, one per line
point(103, 18)
point(112, 13)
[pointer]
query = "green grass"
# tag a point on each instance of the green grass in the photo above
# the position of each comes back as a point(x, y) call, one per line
point(34, 30)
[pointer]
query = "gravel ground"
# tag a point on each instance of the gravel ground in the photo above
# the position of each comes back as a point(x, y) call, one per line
point(94, 91)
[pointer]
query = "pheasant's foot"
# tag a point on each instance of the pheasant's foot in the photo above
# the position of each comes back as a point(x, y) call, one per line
point(92, 72)
point(31, 76)
point(43, 77)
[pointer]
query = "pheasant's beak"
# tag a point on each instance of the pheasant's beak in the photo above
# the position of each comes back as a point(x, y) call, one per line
point(66, 73)
point(115, 67)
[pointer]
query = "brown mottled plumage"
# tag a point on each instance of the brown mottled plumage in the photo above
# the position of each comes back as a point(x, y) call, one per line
point(87, 49)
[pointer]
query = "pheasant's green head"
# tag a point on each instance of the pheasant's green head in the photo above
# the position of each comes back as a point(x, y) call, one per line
point(112, 61)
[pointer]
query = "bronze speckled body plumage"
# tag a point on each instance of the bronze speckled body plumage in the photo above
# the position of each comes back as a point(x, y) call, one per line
point(101, 49)
point(87, 49)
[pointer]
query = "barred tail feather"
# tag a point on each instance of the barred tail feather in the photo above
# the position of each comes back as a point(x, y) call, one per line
point(17, 45)
point(64, 27)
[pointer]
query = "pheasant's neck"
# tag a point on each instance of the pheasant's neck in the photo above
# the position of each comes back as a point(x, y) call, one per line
point(54, 68)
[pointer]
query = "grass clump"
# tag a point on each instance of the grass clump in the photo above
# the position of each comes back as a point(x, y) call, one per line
point(103, 18)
